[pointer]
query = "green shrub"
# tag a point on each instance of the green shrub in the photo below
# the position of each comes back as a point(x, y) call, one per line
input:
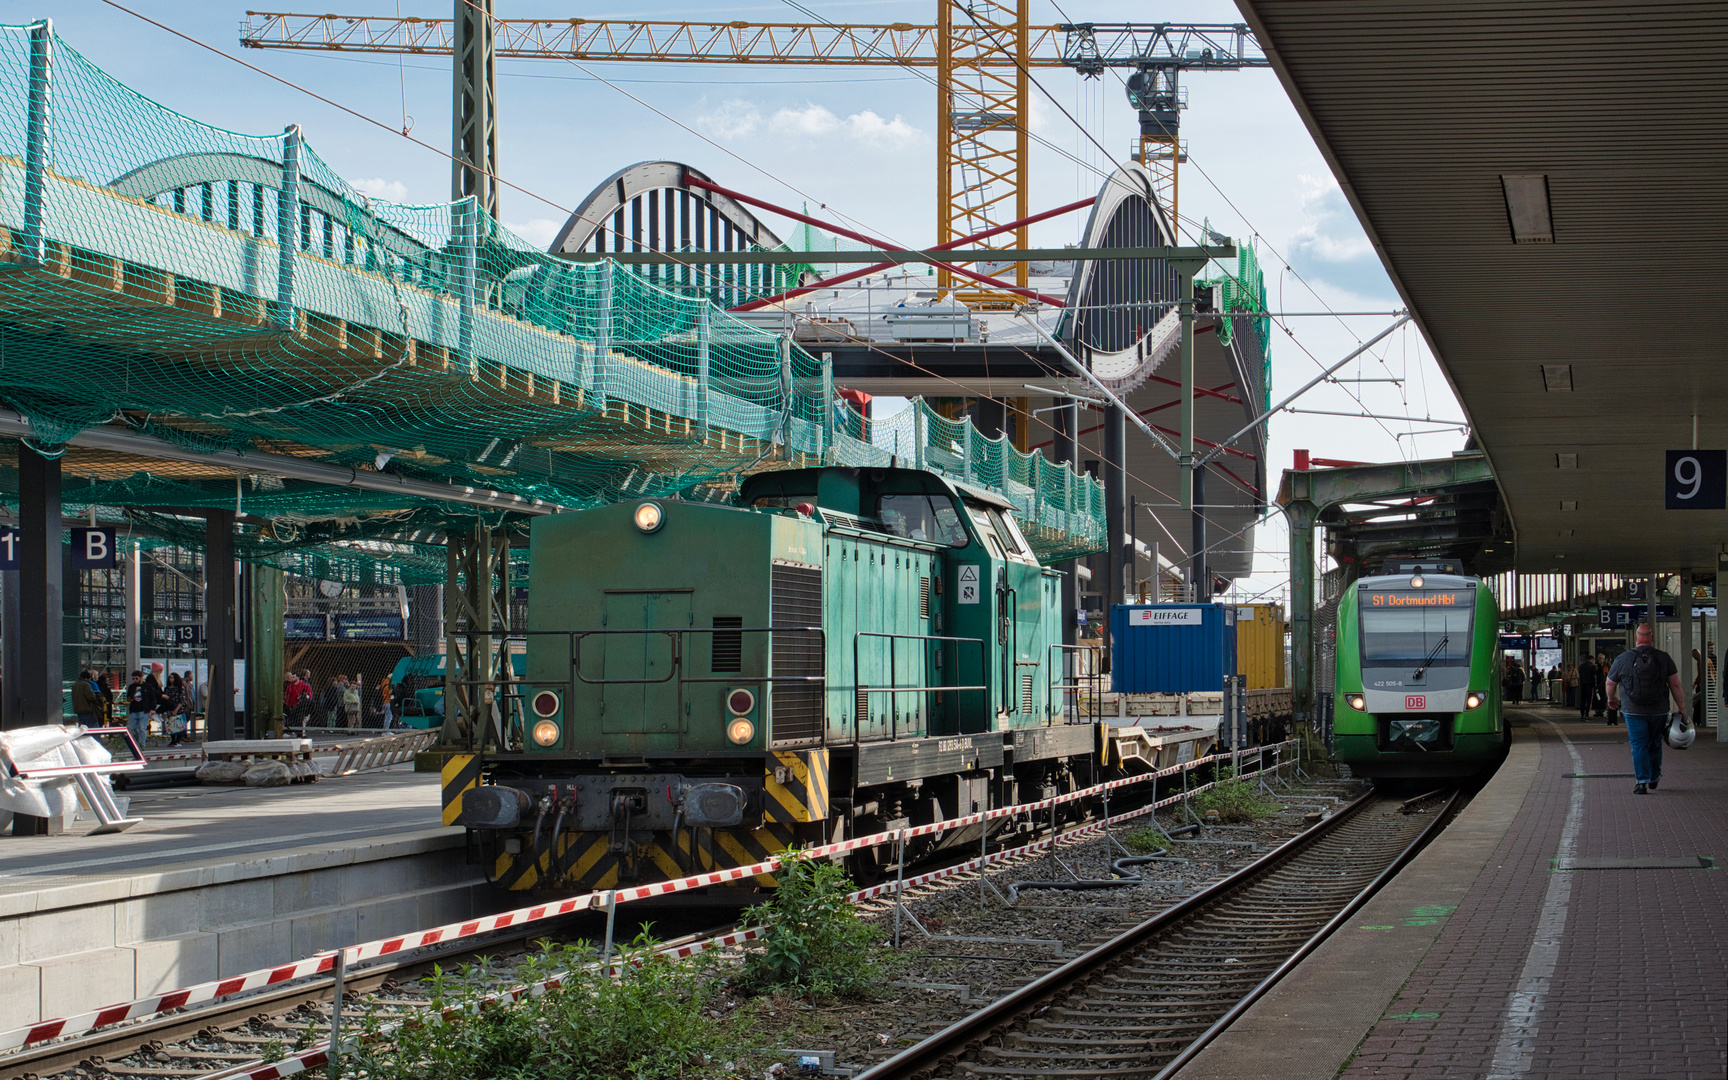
point(653, 1019)
point(813, 943)
point(1146, 841)
point(1237, 801)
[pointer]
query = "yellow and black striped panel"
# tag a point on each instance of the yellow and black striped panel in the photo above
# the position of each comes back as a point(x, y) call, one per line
point(585, 860)
point(460, 772)
point(795, 786)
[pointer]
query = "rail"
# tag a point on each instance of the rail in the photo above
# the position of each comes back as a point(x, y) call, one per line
point(863, 691)
point(324, 962)
point(1068, 981)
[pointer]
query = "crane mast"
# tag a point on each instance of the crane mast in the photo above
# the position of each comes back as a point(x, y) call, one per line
point(983, 52)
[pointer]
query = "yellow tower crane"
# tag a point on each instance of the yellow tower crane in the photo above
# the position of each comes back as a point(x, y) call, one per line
point(983, 52)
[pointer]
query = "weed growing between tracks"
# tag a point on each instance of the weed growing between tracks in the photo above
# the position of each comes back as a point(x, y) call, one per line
point(813, 943)
point(1146, 841)
point(656, 1019)
point(1237, 801)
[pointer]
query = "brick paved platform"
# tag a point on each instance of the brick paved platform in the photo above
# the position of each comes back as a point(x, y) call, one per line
point(1485, 959)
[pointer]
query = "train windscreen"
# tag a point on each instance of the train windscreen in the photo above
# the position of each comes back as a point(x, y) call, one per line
point(1416, 629)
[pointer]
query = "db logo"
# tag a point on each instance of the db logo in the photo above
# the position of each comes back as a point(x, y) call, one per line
point(1415, 701)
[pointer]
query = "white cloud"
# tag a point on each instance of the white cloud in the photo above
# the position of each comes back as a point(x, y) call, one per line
point(537, 231)
point(379, 188)
point(734, 119)
point(815, 121)
point(1331, 245)
point(870, 128)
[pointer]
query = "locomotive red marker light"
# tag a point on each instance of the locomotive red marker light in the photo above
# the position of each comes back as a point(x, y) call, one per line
point(545, 703)
point(740, 701)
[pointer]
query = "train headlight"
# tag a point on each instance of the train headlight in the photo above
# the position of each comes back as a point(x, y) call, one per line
point(1416, 582)
point(1358, 702)
point(1473, 701)
point(650, 516)
point(545, 733)
point(740, 730)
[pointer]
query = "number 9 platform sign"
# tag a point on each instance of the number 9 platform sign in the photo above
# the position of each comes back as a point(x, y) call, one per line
point(1696, 480)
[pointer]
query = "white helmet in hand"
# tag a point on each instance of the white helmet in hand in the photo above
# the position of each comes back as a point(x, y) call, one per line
point(1680, 733)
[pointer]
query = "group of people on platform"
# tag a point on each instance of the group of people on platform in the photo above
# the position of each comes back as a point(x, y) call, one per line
point(99, 700)
point(341, 705)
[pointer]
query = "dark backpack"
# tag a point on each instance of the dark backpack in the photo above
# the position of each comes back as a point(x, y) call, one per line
point(1649, 686)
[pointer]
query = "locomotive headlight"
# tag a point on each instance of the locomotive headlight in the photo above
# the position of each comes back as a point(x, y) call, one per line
point(545, 733)
point(1416, 582)
point(649, 517)
point(1358, 702)
point(1473, 701)
point(740, 730)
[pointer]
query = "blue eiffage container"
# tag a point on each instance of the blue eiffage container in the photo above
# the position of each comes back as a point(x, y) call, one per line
point(1171, 648)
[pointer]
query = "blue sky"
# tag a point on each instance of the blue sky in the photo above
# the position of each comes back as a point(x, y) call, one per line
point(858, 141)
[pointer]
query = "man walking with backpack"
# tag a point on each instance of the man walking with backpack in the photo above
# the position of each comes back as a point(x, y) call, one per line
point(1647, 677)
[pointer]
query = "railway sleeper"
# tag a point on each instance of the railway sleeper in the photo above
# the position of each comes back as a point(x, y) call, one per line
point(1179, 1035)
point(1118, 1073)
point(1082, 1054)
point(1050, 1020)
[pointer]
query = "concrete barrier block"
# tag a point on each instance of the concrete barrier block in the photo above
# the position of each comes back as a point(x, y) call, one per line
point(88, 980)
point(247, 948)
point(324, 930)
point(372, 880)
point(450, 905)
point(11, 945)
point(174, 962)
point(159, 916)
point(66, 932)
point(21, 994)
point(310, 890)
point(387, 918)
point(236, 903)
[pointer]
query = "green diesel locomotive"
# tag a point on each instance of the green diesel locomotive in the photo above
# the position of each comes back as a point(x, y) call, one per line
point(1418, 687)
point(840, 652)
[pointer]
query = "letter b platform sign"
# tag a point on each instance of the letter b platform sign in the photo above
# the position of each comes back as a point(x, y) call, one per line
point(93, 548)
point(1696, 480)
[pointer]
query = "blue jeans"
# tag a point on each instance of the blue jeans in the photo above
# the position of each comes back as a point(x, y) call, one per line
point(139, 722)
point(1645, 733)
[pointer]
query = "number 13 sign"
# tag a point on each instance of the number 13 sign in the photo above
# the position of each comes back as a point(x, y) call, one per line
point(1696, 480)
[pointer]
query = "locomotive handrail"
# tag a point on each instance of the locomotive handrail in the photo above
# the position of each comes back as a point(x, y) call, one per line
point(675, 672)
point(1094, 680)
point(894, 717)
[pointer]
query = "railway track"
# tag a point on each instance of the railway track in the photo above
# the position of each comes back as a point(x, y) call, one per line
point(226, 1038)
point(1140, 1005)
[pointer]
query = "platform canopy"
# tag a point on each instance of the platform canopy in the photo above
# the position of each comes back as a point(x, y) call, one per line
point(1547, 185)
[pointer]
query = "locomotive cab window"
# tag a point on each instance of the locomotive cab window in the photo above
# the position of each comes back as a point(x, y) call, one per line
point(781, 502)
point(930, 518)
point(1416, 630)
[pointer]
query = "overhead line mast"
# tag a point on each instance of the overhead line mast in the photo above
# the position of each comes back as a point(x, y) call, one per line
point(983, 52)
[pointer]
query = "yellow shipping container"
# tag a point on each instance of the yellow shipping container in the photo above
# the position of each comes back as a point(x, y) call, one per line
point(1260, 645)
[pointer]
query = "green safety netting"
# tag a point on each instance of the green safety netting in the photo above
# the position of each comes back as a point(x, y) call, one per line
point(229, 292)
point(1244, 290)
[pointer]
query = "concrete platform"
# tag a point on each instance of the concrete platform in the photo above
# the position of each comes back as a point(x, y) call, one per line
point(218, 881)
point(1485, 959)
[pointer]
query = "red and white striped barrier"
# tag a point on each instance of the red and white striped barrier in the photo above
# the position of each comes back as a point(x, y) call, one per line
point(320, 963)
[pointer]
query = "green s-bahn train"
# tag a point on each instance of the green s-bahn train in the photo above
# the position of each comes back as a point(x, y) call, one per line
point(1417, 692)
point(840, 652)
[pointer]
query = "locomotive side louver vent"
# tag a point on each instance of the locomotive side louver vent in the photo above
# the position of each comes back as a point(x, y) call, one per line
point(728, 644)
point(863, 705)
point(1026, 693)
point(924, 598)
point(795, 599)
